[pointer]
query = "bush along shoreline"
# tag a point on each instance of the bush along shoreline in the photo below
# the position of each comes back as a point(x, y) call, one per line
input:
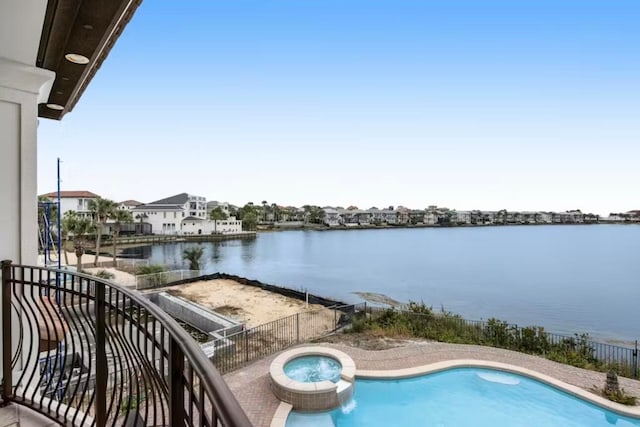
point(420, 321)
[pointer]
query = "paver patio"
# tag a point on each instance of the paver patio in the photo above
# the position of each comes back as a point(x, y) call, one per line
point(251, 387)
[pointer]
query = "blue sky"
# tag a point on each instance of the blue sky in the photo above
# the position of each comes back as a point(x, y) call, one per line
point(468, 104)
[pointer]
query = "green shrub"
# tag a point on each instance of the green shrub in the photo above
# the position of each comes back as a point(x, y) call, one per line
point(104, 274)
point(621, 397)
point(151, 269)
point(153, 275)
point(420, 321)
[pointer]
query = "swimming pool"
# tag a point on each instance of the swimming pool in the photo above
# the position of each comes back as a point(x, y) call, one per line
point(462, 397)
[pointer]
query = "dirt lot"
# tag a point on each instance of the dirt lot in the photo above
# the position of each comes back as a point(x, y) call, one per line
point(247, 304)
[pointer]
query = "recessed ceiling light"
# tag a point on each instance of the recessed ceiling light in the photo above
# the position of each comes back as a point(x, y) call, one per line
point(87, 27)
point(57, 107)
point(59, 92)
point(66, 79)
point(76, 58)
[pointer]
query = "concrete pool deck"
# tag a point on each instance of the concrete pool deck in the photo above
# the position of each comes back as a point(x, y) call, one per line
point(251, 387)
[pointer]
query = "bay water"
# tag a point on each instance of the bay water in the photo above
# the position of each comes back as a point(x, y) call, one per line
point(569, 279)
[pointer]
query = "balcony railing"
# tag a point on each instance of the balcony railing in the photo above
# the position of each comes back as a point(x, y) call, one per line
point(84, 351)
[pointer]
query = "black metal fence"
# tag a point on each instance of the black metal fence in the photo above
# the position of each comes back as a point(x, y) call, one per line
point(237, 350)
point(577, 350)
point(83, 351)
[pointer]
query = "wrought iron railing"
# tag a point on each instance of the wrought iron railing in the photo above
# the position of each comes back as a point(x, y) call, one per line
point(84, 351)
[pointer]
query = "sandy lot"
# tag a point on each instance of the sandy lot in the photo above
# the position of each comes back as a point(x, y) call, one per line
point(247, 304)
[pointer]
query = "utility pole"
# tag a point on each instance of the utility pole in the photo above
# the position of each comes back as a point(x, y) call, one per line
point(59, 221)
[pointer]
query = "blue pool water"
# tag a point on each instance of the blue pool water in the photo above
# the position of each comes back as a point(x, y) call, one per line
point(311, 369)
point(459, 398)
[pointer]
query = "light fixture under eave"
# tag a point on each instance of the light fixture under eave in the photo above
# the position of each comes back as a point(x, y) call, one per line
point(76, 58)
point(57, 107)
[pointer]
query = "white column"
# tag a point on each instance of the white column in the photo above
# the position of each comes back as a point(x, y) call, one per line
point(22, 87)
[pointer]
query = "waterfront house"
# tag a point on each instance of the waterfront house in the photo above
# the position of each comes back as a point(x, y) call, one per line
point(591, 218)
point(193, 225)
point(429, 217)
point(544, 217)
point(574, 217)
point(417, 216)
point(49, 53)
point(488, 217)
point(402, 215)
point(166, 215)
point(461, 217)
point(349, 217)
point(331, 217)
point(73, 201)
point(388, 216)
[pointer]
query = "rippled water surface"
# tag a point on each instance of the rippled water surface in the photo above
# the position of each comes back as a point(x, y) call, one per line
point(312, 369)
point(566, 278)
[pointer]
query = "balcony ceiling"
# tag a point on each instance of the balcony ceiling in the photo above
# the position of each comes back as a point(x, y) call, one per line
point(84, 27)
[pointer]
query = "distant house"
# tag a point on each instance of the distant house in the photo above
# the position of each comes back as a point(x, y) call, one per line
point(224, 206)
point(166, 215)
point(73, 201)
point(402, 215)
point(544, 217)
point(430, 217)
point(195, 225)
point(128, 205)
point(331, 217)
point(462, 217)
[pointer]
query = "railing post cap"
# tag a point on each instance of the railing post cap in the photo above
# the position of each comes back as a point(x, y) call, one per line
point(5, 262)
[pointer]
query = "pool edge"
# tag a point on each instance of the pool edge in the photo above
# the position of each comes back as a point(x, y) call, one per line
point(627, 411)
point(282, 413)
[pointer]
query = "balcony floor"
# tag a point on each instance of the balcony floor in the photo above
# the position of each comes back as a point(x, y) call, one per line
point(19, 416)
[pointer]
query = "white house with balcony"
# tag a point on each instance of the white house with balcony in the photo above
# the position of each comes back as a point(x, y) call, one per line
point(73, 201)
point(166, 215)
point(193, 225)
point(331, 217)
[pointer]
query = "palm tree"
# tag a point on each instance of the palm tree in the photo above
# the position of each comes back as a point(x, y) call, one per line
point(101, 209)
point(77, 226)
point(217, 214)
point(276, 212)
point(193, 255)
point(120, 217)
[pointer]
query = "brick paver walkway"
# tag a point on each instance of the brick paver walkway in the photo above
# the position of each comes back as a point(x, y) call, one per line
point(250, 385)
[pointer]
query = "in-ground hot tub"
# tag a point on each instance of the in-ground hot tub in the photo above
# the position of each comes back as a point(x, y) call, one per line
point(313, 378)
point(313, 369)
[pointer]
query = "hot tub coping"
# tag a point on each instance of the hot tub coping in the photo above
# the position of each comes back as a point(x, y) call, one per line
point(276, 369)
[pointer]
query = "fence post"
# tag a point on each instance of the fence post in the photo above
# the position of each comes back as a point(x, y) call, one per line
point(246, 346)
point(101, 356)
point(297, 327)
point(335, 319)
point(635, 361)
point(176, 384)
point(7, 383)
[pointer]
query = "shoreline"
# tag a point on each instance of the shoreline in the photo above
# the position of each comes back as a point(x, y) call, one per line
point(317, 227)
